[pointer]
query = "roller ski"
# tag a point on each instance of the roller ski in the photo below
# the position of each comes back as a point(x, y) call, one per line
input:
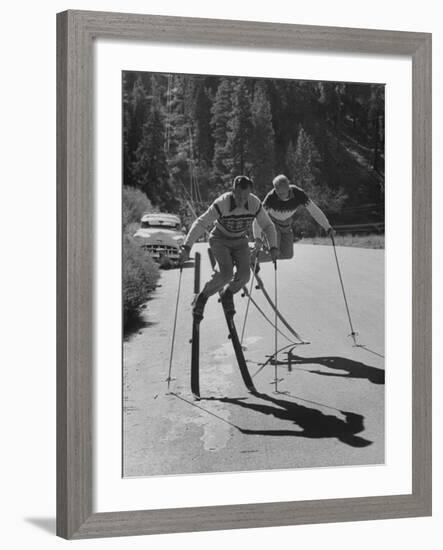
point(255, 268)
point(197, 316)
point(227, 302)
point(261, 286)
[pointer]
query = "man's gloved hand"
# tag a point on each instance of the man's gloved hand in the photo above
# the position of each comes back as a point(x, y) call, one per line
point(330, 231)
point(184, 253)
point(274, 253)
point(258, 243)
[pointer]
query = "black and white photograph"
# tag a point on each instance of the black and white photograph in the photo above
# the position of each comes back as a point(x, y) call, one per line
point(253, 274)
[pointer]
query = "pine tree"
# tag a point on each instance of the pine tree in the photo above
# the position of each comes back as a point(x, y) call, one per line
point(135, 113)
point(203, 140)
point(262, 139)
point(376, 115)
point(139, 111)
point(127, 128)
point(178, 130)
point(183, 155)
point(239, 131)
point(150, 169)
point(303, 162)
point(330, 98)
point(221, 111)
point(305, 169)
point(291, 163)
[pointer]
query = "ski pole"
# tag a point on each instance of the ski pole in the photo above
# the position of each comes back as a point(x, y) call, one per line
point(195, 340)
point(353, 333)
point(249, 299)
point(275, 324)
point(175, 324)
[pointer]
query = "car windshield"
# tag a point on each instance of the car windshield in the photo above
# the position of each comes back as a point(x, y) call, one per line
point(157, 224)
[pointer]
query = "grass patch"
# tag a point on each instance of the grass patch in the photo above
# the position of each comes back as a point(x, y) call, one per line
point(358, 241)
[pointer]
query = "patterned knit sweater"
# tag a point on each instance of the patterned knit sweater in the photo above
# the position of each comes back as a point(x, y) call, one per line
point(232, 220)
point(281, 211)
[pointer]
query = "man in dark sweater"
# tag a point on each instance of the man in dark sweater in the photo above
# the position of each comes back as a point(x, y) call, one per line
point(281, 203)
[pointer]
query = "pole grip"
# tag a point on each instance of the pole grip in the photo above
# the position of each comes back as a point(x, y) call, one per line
point(197, 263)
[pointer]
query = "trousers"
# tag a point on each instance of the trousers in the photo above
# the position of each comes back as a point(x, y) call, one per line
point(229, 253)
point(285, 244)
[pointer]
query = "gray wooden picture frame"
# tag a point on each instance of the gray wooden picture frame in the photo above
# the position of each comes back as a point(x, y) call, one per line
point(76, 32)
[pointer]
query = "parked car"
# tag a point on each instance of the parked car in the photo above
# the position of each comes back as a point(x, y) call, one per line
point(161, 235)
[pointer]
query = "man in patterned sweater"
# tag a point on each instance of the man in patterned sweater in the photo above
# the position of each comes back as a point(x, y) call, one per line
point(230, 217)
point(281, 204)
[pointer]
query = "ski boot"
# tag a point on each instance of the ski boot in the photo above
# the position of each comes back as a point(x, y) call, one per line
point(198, 306)
point(227, 300)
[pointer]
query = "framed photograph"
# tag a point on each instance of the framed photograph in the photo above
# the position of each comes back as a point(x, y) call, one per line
point(239, 345)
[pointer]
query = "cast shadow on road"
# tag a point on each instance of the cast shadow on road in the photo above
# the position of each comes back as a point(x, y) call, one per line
point(133, 327)
point(312, 422)
point(138, 321)
point(354, 369)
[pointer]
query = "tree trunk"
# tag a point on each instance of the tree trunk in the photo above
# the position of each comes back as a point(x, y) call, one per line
point(376, 149)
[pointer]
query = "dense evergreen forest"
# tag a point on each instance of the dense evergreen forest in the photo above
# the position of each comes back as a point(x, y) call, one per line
point(186, 136)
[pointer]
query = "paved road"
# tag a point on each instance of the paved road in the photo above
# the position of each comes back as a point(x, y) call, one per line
point(331, 409)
